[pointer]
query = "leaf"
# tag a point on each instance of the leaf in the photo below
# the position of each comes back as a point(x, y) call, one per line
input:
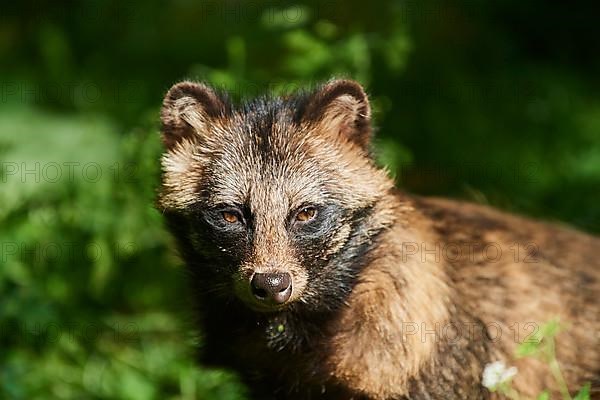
point(527, 349)
point(584, 393)
point(550, 329)
point(544, 395)
point(531, 347)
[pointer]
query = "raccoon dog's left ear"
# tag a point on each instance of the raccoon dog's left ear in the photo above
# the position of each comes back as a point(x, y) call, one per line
point(187, 112)
point(342, 108)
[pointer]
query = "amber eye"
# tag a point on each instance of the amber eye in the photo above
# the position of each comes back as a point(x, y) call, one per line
point(306, 214)
point(230, 217)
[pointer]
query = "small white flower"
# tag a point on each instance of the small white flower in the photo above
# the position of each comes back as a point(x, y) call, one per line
point(496, 373)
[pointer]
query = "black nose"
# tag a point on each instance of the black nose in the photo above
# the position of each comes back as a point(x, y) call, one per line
point(275, 287)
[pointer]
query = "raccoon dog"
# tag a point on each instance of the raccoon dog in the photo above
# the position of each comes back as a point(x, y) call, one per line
point(314, 277)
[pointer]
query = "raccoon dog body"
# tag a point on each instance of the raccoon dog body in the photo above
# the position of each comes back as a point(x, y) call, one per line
point(316, 278)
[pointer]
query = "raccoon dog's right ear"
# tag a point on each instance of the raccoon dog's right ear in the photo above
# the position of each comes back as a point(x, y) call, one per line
point(187, 112)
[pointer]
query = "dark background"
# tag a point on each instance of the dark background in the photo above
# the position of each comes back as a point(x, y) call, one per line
point(495, 102)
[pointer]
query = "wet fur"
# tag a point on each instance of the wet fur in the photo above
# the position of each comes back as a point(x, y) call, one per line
point(360, 289)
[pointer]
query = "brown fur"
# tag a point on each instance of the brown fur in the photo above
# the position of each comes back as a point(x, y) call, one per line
point(561, 280)
point(436, 290)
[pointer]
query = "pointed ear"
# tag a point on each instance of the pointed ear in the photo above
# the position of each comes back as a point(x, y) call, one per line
point(187, 112)
point(342, 108)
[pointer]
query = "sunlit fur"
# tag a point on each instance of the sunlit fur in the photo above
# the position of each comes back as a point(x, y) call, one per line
point(356, 287)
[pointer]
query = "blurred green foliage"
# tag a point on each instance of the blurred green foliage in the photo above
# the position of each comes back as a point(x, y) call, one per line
point(494, 102)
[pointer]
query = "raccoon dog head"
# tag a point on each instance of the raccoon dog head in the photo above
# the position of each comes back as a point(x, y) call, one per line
point(275, 201)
